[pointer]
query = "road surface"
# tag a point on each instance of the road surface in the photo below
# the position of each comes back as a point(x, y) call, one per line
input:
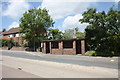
point(54, 66)
point(79, 60)
point(8, 72)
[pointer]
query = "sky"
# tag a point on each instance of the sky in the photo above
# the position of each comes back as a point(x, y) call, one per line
point(65, 13)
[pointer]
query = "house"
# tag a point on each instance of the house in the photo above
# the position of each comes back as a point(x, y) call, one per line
point(13, 34)
point(67, 47)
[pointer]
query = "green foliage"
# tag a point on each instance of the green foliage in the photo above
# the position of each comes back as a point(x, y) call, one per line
point(34, 25)
point(103, 31)
point(90, 53)
point(5, 43)
point(80, 35)
point(73, 33)
point(55, 34)
point(68, 34)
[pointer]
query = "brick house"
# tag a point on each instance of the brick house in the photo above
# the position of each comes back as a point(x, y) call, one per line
point(67, 47)
point(13, 34)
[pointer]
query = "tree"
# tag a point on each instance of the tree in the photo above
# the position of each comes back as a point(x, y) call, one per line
point(73, 33)
point(68, 34)
point(103, 31)
point(55, 34)
point(34, 25)
point(80, 35)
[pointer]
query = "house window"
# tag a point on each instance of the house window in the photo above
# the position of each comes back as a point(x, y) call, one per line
point(17, 35)
point(54, 44)
point(13, 35)
point(67, 44)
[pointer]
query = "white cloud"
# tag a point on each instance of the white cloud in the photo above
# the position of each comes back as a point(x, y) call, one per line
point(60, 9)
point(73, 21)
point(13, 25)
point(15, 9)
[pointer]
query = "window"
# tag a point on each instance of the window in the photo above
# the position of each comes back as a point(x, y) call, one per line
point(67, 44)
point(54, 44)
point(13, 35)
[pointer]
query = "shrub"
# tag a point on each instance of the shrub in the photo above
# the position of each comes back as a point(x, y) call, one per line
point(104, 54)
point(90, 53)
point(5, 43)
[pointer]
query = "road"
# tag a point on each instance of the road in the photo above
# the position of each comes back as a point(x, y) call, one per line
point(79, 60)
point(56, 66)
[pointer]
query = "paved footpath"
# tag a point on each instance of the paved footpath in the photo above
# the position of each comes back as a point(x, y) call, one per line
point(8, 72)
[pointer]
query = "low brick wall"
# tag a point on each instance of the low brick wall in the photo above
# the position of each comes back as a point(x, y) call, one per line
point(17, 49)
point(56, 51)
point(3, 48)
point(69, 51)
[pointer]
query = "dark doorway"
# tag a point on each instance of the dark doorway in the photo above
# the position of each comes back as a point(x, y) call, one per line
point(47, 47)
point(78, 47)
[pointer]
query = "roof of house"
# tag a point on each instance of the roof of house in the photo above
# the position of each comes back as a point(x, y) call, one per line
point(13, 30)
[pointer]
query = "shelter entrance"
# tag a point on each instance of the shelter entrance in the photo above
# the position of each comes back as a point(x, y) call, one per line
point(47, 47)
point(78, 46)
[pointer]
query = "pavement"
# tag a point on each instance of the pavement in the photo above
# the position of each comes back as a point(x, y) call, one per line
point(9, 72)
point(55, 66)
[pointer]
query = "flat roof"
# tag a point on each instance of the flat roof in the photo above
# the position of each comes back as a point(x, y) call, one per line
point(63, 40)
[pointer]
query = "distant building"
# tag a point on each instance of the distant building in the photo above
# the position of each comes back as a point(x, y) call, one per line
point(13, 34)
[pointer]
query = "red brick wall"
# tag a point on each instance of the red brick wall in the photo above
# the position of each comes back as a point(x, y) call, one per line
point(83, 47)
point(69, 51)
point(44, 48)
point(56, 51)
point(64, 51)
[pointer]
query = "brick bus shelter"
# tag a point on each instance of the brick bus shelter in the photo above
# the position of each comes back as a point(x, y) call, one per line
point(65, 47)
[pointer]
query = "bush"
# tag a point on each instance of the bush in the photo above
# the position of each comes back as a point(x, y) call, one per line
point(5, 43)
point(90, 53)
point(98, 53)
point(104, 54)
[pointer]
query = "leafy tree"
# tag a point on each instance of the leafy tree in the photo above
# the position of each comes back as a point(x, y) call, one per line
point(80, 35)
point(68, 34)
point(55, 34)
point(103, 31)
point(73, 33)
point(34, 25)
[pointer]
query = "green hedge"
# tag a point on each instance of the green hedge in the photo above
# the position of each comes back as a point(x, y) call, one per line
point(90, 53)
point(5, 43)
point(98, 53)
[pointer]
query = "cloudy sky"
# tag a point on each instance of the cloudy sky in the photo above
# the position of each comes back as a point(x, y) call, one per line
point(65, 13)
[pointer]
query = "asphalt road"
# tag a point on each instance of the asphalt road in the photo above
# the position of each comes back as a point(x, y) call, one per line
point(79, 60)
point(55, 66)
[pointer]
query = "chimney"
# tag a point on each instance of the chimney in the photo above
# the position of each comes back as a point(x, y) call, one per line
point(4, 30)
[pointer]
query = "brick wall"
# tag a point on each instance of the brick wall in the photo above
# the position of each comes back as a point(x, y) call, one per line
point(69, 51)
point(56, 51)
point(17, 49)
point(83, 47)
